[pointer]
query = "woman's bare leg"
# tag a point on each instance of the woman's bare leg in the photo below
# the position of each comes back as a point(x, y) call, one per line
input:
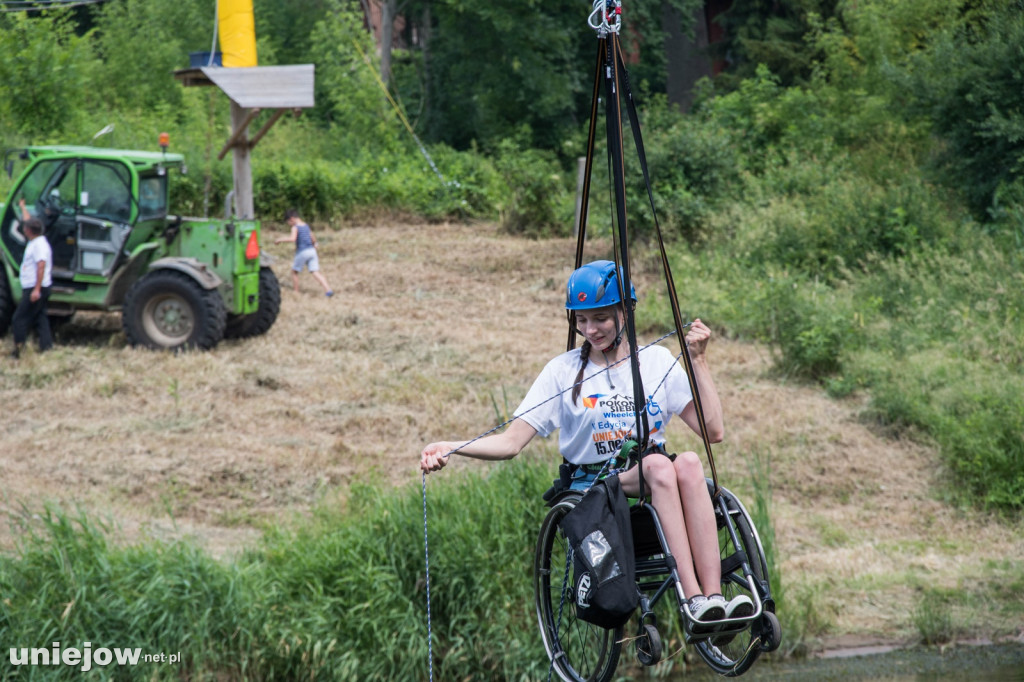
point(699, 515)
point(661, 482)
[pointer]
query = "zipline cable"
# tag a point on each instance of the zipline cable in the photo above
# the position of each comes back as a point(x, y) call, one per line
point(401, 114)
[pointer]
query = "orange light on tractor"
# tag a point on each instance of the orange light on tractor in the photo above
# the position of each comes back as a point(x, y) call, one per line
point(165, 141)
point(252, 249)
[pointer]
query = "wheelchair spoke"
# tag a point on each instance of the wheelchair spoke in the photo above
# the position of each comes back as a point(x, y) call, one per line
point(733, 652)
point(578, 651)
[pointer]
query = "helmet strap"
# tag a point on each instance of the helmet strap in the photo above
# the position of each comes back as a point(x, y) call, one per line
point(619, 330)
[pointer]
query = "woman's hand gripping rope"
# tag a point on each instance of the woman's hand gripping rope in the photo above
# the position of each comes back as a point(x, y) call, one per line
point(435, 456)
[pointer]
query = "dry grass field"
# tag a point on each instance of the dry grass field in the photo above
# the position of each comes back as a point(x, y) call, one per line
point(430, 328)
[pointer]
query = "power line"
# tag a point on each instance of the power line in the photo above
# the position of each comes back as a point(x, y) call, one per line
point(36, 5)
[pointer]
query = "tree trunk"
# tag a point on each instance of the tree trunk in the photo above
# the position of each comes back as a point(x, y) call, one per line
point(687, 57)
point(424, 38)
point(387, 30)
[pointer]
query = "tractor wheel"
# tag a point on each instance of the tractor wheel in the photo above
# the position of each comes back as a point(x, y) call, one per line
point(167, 309)
point(259, 322)
point(6, 303)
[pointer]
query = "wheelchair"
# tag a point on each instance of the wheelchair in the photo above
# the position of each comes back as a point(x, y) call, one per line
point(582, 652)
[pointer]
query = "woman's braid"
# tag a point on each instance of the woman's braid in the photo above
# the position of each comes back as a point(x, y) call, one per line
point(584, 358)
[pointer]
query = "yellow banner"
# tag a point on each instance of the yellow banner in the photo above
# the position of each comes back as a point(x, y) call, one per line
point(236, 28)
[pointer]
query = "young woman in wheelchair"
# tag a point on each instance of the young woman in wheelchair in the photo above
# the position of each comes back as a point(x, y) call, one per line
point(598, 414)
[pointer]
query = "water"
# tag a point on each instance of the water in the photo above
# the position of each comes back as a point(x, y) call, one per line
point(964, 663)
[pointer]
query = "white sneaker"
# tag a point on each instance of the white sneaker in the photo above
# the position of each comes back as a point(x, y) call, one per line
point(706, 610)
point(739, 606)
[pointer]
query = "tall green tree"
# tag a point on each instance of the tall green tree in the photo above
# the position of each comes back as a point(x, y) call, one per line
point(496, 70)
point(142, 43)
point(47, 74)
point(773, 33)
point(970, 83)
point(348, 94)
point(286, 28)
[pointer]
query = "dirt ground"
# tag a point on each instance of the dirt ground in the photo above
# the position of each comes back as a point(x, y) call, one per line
point(430, 327)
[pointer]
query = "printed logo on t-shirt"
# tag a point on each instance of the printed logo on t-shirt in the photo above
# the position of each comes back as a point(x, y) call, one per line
point(614, 417)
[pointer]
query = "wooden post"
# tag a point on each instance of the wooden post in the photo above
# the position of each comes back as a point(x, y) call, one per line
point(240, 119)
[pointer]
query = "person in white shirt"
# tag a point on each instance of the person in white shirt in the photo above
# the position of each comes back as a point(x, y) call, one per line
point(587, 395)
point(36, 267)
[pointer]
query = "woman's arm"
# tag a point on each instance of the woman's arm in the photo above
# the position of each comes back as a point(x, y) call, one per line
point(504, 445)
point(697, 342)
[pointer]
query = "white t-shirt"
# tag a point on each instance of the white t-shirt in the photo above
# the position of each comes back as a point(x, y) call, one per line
point(593, 428)
point(37, 250)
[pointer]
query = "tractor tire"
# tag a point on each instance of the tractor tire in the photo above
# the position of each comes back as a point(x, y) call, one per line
point(259, 322)
point(6, 303)
point(168, 310)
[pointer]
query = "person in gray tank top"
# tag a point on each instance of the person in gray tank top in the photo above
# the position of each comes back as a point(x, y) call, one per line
point(306, 254)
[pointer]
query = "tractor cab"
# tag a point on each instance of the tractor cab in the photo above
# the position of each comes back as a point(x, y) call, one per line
point(178, 282)
point(89, 200)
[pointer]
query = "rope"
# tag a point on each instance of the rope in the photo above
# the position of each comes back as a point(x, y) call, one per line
point(426, 553)
point(581, 232)
point(563, 392)
point(401, 114)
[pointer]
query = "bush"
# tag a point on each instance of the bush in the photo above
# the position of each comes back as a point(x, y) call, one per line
point(43, 67)
point(537, 203)
point(469, 187)
point(693, 167)
point(850, 218)
point(974, 414)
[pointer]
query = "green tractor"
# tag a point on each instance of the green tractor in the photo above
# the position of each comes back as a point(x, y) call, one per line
point(178, 282)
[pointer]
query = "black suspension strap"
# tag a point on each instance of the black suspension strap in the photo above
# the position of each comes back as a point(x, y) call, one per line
point(581, 227)
point(607, 70)
point(670, 283)
point(606, 19)
point(613, 117)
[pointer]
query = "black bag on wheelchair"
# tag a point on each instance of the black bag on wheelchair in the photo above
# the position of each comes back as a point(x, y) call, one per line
point(604, 568)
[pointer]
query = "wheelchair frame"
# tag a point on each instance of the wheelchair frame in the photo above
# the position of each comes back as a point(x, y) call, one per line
point(582, 652)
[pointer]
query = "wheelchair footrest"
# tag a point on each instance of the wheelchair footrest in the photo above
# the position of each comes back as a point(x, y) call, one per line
point(732, 626)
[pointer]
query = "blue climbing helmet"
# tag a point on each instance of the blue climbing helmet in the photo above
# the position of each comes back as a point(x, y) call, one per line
point(595, 285)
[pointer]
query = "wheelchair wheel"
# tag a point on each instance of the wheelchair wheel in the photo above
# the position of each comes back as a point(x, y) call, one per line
point(578, 651)
point(648, 645)
point(733, 654)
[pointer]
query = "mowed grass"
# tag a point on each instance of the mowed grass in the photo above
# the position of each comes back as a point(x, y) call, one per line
point(265, 474)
